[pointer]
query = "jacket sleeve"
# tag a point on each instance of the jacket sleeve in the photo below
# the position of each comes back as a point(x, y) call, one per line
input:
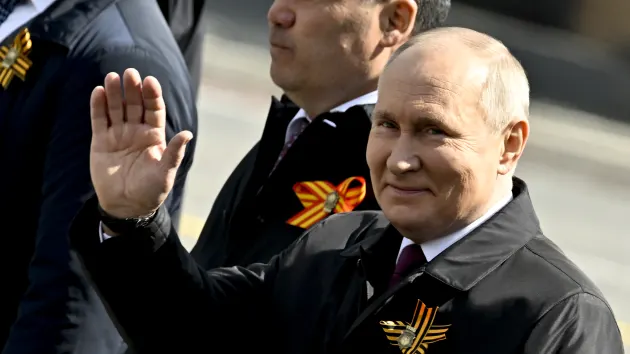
point(53, 307)
point(581, 324)
point(160, 300)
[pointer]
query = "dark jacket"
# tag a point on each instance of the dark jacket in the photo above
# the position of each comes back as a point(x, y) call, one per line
point(44, 147)
point(249, 219)
point(187, 20)
point(505, 288)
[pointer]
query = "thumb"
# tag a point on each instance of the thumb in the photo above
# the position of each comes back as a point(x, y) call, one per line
point(175, 150)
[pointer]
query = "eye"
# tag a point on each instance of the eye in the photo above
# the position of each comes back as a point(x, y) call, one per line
point(435, 131)
point(386, 124)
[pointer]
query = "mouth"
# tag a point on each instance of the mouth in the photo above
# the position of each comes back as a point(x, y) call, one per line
point(407, 190)
point(277, 45)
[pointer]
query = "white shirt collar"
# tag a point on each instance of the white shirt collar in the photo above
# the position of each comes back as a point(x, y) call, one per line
point(41, 5)
point(434, 247)
point(369, 98)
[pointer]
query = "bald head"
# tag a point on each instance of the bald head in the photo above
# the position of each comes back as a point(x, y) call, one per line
point(476, 61)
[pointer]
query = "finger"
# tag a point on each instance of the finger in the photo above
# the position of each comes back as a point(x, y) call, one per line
point(98, 111)
point(133, 96)
point(113, 91)
point(175, 150)
point(154, 107)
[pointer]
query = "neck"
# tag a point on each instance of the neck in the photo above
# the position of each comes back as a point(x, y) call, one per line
point(502, 189)
point(316, 102)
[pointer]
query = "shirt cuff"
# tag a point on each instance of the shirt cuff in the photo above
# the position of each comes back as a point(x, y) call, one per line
point(104, 236)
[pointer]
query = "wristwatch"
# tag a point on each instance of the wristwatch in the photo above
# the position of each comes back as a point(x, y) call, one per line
point(124, 226)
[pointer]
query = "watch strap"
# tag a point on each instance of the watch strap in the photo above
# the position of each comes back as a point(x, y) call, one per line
point(124, 225)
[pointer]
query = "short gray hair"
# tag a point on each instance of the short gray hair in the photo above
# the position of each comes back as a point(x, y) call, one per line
point(431, 14)
point(505, 91)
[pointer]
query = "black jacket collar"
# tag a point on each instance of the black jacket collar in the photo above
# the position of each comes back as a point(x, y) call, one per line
point(473, 257)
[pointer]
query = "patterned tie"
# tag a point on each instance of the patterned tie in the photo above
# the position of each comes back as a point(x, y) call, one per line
point(297, 129)
point(410, 258)
point(6, 7)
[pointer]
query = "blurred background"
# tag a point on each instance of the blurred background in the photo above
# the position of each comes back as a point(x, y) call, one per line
point(577, 163)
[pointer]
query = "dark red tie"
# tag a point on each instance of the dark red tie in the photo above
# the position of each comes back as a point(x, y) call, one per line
point(410, 258)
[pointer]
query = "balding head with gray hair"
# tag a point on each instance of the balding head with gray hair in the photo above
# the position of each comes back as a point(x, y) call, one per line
point(505, 88)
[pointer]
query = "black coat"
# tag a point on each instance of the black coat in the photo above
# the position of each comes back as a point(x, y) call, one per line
point(249, 219)
point(503, 289)
point(44, 148)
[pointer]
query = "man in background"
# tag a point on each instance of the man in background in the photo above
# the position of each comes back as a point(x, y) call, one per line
point(52, 53)
point(327, 57)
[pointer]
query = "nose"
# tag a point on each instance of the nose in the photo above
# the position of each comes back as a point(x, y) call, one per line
point(280, 15)
point(403, 158)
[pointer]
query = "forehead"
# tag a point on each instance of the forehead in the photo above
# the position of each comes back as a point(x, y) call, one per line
point(336, 4)
point(437, 81)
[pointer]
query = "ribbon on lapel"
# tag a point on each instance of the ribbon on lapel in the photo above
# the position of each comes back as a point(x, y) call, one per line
point(414, 337)
point(14, 60)
point(321, 198)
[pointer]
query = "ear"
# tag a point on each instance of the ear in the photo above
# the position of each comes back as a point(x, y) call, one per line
point(514, 140)
point(397, 20)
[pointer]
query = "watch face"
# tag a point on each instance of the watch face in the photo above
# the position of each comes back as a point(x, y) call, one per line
point(124, 226)
point(144, 221)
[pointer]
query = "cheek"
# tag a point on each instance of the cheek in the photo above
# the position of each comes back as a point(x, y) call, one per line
point(376, 155)
point(448, 169)
point(439, 160)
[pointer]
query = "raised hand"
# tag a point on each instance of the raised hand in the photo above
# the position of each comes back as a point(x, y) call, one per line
point(132, 168)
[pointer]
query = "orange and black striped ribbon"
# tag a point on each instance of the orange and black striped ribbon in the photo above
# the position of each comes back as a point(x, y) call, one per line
point(314, 194)
point(425, 331)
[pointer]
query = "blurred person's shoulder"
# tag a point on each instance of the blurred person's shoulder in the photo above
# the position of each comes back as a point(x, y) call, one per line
point(120, 33)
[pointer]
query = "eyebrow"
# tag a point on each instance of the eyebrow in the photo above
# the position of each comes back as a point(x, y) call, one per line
point(387, 115)
point(383, 115)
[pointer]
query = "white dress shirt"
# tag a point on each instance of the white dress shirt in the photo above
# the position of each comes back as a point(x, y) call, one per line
point(369, 98)
point(434, 247)
point(25, 11)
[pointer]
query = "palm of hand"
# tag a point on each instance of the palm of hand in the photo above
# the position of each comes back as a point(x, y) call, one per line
point(132, 168)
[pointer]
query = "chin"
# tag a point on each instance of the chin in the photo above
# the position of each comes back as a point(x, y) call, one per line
point(406, 217)
point(282, 79)
point(402, 214)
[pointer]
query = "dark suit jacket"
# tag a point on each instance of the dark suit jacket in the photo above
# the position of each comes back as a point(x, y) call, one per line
point(503, 289)
point(249, 219)
point(44, 148)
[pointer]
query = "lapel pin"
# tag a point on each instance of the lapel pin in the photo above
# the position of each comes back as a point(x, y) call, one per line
point(14, 60)
point(414, 337)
